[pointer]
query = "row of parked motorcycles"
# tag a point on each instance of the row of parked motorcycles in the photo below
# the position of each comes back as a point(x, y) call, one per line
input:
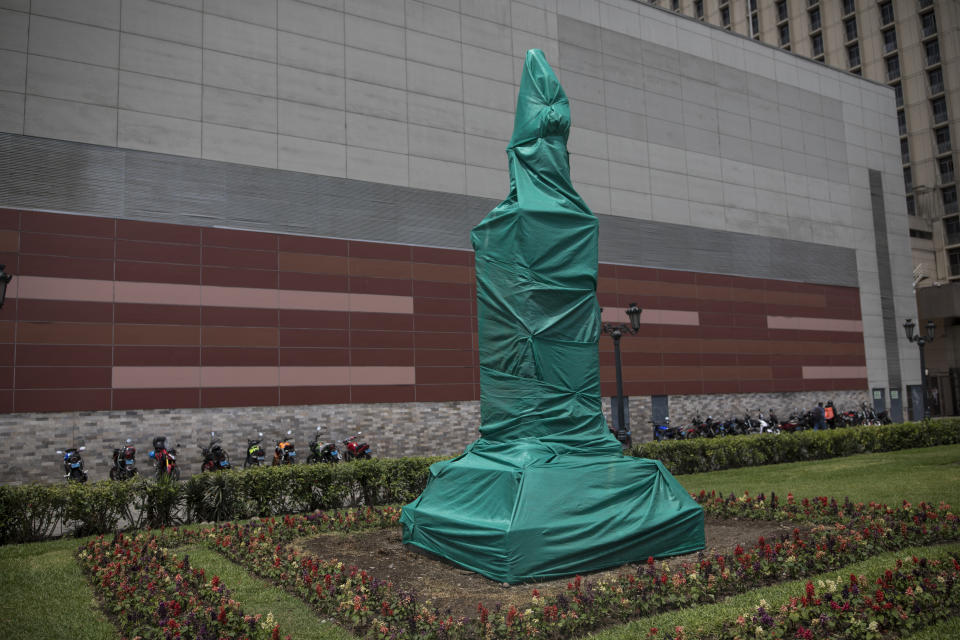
point(798, 421)
point(214, 457)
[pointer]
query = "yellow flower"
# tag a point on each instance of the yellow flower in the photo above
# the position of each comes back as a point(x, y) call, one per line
point(873, 626)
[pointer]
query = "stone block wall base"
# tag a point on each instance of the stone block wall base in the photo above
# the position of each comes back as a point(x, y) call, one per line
point(393, 430)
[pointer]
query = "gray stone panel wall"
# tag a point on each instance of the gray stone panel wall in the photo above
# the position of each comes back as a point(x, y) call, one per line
point(392, 430)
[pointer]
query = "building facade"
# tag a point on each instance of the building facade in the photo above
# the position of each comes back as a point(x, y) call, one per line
point(254, 216)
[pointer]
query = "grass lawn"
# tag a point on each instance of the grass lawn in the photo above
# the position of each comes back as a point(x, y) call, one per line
point(931, 474)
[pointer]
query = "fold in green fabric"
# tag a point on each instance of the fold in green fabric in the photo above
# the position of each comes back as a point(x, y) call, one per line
point(545, 491)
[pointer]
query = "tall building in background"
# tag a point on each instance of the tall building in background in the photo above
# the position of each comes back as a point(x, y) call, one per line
point(914, 47)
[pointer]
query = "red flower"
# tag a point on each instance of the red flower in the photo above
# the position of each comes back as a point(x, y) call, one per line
point(810, 590)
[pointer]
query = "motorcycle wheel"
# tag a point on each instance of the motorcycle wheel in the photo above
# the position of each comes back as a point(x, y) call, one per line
point(113, 474)
point(366, 456)
point(175, 474)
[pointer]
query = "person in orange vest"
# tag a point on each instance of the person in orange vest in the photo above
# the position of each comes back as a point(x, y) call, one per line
point(829, 414)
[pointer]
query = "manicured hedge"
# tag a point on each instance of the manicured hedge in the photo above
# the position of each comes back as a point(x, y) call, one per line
point(36, 512)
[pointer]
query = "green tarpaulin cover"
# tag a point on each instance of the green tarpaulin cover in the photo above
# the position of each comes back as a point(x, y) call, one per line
point(545, 491)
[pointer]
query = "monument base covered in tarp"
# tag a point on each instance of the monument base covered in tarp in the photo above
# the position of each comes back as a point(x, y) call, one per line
point(558, 515)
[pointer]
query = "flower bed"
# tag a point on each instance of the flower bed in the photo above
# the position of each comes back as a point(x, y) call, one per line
point(843, 533)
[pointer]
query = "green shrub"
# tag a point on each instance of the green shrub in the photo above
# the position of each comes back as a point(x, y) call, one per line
point(29, 513)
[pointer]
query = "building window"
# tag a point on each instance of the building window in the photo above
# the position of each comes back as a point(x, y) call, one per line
point(755, 25)
point(781, 10)
point(849, 6)
point(951, 228)
point(784, 30)
point(898, 94)
point(853, 55)
point(753, 5)
point(902, 121)
point(893, 68)
point(936, 81)
point(816, 44)
point(698, 9)
point(907, 179)
point(815, 19)
point(954, 256)
point(904, 151)
point(946, 169)
point(850, 28)
point(886, 12)
point(725, 16)
point(889, 40)
point(911, 206)
point(926, 3)
point(932, 51)
point(939, 109)
point(675, 5)
point(928, 23)
point(949, 195)
point(942, 136)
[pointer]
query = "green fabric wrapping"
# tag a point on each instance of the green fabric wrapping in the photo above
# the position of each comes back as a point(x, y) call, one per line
point(546, 490)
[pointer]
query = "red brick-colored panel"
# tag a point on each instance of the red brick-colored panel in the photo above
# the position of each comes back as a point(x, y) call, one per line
point(156, 314)
point(313, 338)
point(312, 263)
point(381, 321)
point(239, 239)
point(381, 357)
point(440, 307)
point(239, 317)
point(444, 392)
point(240, 397)
point(61, 399)
point(455, 324)
point(305, 244)
point(750, 300)
point(233, 277)
point(158, 232)
point(715, 386)
point(62, 377)
point(314, 395)
point(58, 267)
point(381, 286)
point(627, 272)
point(239, 357)
point(605, 300)
point(6, 377)
point(387, 393)
point(9, 241)
point(716, 306)
point(306, 357)
point(846, 361)
point(381, 339)
point(680, 304)
point(372, 268)
point(442, 273)
point(294, 318)
point(158, 252)
point(668, 275)
point(62, 310)
point(444, 375)
point(717, 280)
point(156, 399)
point(705, 292)
point(379, 250)
point(714, 319)
point(793, 384)
point(757, 359)
point(126, 356)
point(62, 333)
point(240, 337)
point(61, 355)
point(241, 258)
point(444, 357)
point(674, 331)
point(605, 270)
point(755, 321)
point(156, 334)
point(442, 256)
point(640, 388)
point(10, 218)
point(718, 359)
point(756, 386)
point(6, 401)
point(49, 244)
point(158, 272)
point(68, 224)
point(444, 340)
point(311, 282)
point(442, 290)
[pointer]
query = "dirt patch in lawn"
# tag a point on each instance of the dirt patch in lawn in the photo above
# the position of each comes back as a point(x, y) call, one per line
point(457, 590)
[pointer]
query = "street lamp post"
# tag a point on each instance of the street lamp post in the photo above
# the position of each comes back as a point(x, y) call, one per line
point(616, 331)
point(921, 342)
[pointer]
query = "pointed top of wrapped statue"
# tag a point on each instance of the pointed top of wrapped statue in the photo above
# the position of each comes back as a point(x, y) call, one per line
point(542, 106)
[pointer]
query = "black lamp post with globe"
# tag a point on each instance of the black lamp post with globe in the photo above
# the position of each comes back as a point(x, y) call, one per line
point(616, 331)
point(921, 341)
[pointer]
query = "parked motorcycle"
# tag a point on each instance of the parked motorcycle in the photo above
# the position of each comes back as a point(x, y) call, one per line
point(356, 450)
point(214, 457)
point(124, 462)
point(285, 452)
point(665, 431)
point(73, 469)
point(320, 452)
point(164, 459)
point(255, 453)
